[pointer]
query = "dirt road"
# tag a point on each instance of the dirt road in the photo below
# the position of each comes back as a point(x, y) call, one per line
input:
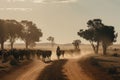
point(26, 72)
point(65, 69)
point(75, 72)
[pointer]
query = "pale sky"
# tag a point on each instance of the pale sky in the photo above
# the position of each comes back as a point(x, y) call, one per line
point(62, 19)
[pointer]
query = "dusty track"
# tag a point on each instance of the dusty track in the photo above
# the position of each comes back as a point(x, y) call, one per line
point(27, 72)
point(57, 70)
point(74, 72)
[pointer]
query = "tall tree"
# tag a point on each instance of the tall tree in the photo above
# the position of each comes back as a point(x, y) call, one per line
point(76, 43)
point(3, 33)
point(107, 37)
point(14, 30)
point(97, 32)
point(30, 33)
point(91, 33)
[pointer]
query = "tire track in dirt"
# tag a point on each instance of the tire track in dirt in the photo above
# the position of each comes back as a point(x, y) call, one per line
point(54, 71)
point(27, 72)
point(74, 72)
point(32, 73)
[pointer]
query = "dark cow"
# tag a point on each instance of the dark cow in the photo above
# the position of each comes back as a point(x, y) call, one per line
point(38, 53)
point(46, 55)
point(26, 54)
point(5, 55)
point(15, 53)
point(0, 52)
point(33, 53)
point(21, 54)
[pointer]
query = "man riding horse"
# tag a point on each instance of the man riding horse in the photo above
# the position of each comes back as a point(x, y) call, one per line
point(59, 52)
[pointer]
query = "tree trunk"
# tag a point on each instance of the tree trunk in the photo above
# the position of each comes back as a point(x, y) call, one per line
point(11, 45)
point(97, 47)
point(104, 49)
point(12, 40)
point(26, 45)
point(2, 45)
point(93, 46)
point(75, 47)
point(78, 46)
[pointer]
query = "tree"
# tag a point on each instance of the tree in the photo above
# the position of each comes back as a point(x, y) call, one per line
point(91, 37)
point(3, 33)
point(76, 43)
point(91, 33)
point(107, 37)
point(51, 39)
point(97, 32)
point(30, 33)
point(14, 31)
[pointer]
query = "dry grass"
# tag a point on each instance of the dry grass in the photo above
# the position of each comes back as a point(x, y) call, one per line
point(109, 64)
point(93, 69)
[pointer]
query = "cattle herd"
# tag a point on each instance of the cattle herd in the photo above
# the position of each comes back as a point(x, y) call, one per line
point(19, 55)
point(27, 54)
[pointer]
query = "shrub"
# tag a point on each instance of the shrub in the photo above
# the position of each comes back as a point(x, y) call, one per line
point(13, 62)
point(115, 55)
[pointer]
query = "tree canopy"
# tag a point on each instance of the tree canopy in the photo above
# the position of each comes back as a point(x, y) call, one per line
point(98, 33)
point(12, 30)
point(30, 33)
point(51, 39)
point(76, 43)
point(3, 33)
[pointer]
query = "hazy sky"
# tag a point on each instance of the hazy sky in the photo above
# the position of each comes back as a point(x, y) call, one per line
point(62, 19)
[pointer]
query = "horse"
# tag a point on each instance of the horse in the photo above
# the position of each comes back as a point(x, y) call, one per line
point(59, 53)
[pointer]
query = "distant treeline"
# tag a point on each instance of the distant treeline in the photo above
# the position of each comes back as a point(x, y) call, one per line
point(25, 30)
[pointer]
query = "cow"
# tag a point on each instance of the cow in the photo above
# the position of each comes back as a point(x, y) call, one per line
point(46, 55)
point(0, 52)
point(38, 53)
point(5, 55)
point(15, 53)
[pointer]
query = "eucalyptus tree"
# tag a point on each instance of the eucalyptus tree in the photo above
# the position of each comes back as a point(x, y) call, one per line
point(98, 33)
point(3, 33)
point(107, 37)
point(76, 43)
point(30, 33)
point(14, 31)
